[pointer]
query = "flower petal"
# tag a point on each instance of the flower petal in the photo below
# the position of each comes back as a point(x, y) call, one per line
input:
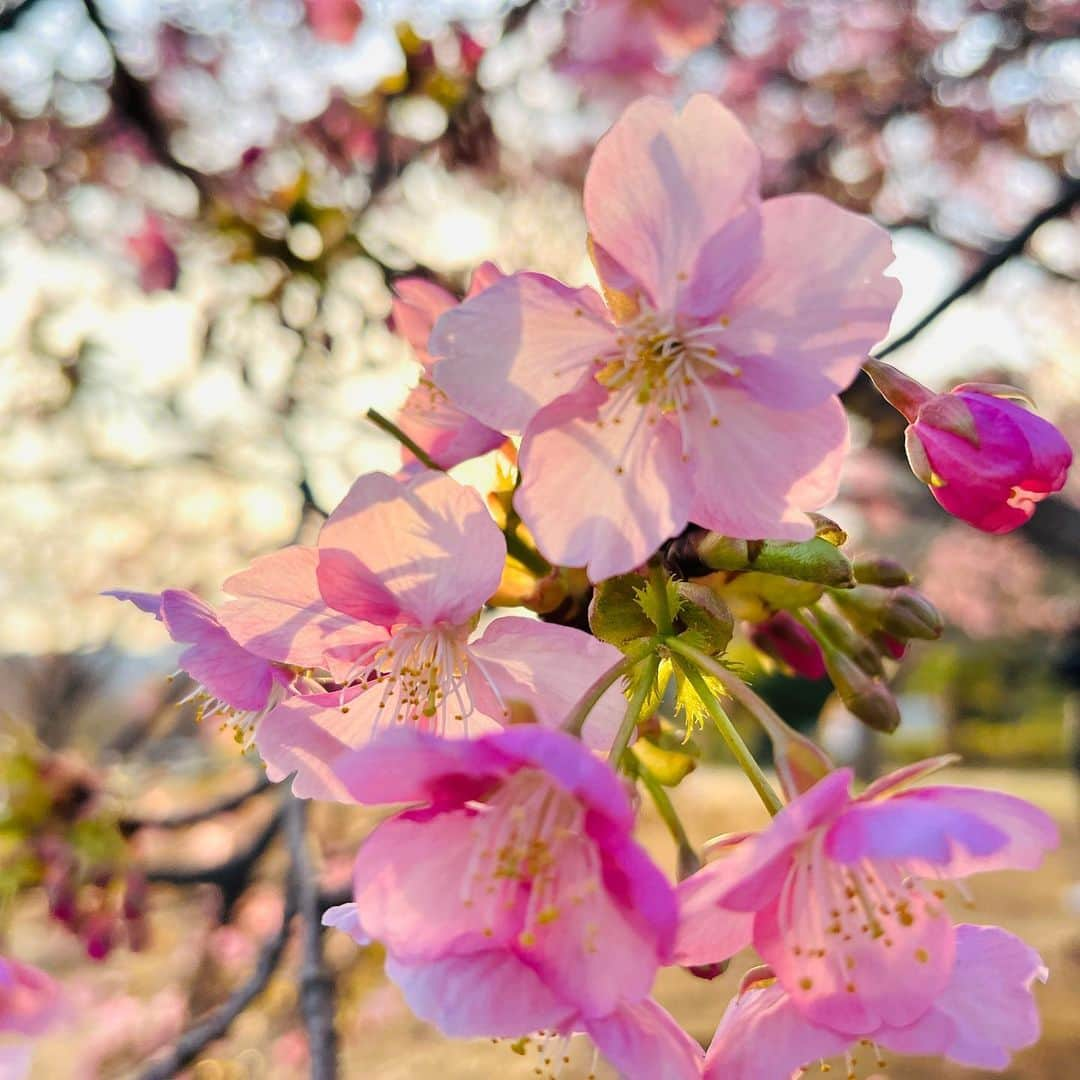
point(417, 305)
point(518, 345)
point(437, 426)
point(758, 469)
point(144, 601)
point(549, 668)
point(344, 917)
point(644, 1042)
point(803, 324)
point(708, 932)
point(281, 614)
point(428, 547)
point(660, 185)
point(624, 477)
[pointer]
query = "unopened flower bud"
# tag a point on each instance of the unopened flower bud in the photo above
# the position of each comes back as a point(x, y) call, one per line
point(849, 641)
point(708, 972)
point(706, 617)
point(888, 645)
point(817, 560)
point(880, 570)
point(865, 697)
point(786, 640)
point(903, 612)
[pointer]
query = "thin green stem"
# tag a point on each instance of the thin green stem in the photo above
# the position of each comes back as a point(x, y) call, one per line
point(644, 686)
point(529, 557)
point(411, 445)
point(665, 808)
point(689, 663)
point(576, 720)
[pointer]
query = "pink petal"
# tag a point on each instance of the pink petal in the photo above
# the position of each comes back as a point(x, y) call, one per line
point(405, 765)
point(644, 1042)
point(439, 427)
point(762, 1036)
point(31, 1002)
point(518, 345)
point(144, 601)
point(764, 862)
point(855, 963)
point(344, 917)
point(412, 886)
point(428, 546)
point(625, 479)
point(803, 324)
point(282, 616)
point(758, 469)
point(307, 733)
point(660, 184)
point(548, 668)
point(709, 933)
point(489, 994)
point(239, 678)
point(483, 277)
point(905, 775)
point(417, 305)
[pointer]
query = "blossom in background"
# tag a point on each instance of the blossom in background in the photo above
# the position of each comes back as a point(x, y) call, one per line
point(31, 1004)
point(625, 39)
point(831, 894)
point(388, 603)
point(512, 897)
point(706, 389)
point(428, 417)
point(235, 685)
point(985, 1012)
point(334, 20)
point(987, 459)
point(158, 265)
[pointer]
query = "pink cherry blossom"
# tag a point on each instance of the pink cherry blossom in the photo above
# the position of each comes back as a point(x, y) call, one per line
point(388, 603)
point(159, 267)
point(334, 20)
point(836, 888)
point(31, 1004)
point(428, 417)
point(995, 480)
point(627, 38)
point(785, 639)
point(512, 898)
point(706, 389)
point(985, 1012)
point(234, 684)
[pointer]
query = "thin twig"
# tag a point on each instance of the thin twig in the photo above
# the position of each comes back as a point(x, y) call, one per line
point(316, 983)
point(193, 817)
point(192, 1043)
point(1015, 246)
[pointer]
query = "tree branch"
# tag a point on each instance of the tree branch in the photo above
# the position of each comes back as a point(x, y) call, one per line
point(193, 817)
point(316, 983)
point(1015, 246)
point(197, 1038)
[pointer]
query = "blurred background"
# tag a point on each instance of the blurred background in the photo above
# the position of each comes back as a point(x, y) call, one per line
point(204, 205)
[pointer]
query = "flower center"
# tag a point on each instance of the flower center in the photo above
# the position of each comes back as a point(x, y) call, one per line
point(244, 722)
point(530, 845)
point(422, 674)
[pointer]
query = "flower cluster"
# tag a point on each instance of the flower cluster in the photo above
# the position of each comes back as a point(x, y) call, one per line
point(678, 429)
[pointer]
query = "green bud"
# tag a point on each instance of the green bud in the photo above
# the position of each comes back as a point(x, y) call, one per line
point(848, 640)
point(754, 597)
point(903, 612)
point(814, 560)
point(863, 696)
point(708, 620)
point(615, 616)
point(880, 570)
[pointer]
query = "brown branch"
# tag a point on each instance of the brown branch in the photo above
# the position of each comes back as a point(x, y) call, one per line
point(316, 983)
point(193, 817)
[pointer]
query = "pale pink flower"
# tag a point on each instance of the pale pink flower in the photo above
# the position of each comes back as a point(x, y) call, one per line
point(388, 603)
point(841, 895)
point(234, 684)
point(984, 1013)
point(706, 390)
point(31, 1004)
point(512, 898)
point(334, 20)
point(636, 38)
point(428, 417)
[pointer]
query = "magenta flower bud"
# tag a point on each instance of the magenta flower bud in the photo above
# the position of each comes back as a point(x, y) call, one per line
point(986, 458)
point(98, 935)
point(708, 972)
point(783, 638)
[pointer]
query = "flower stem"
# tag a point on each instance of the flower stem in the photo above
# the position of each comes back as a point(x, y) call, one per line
point(668, 814)
point(411, 445)
point(644, 686)
point(689, 661)
point(576, 720)
point(529, 557)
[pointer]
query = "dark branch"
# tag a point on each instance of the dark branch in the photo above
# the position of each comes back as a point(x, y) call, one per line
point(1015, 246)
point(316, 983)
point(194, 817)
point(231, 876)
point(192, 1043)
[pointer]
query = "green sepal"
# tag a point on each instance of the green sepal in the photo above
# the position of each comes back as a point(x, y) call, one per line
point(615, 613)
